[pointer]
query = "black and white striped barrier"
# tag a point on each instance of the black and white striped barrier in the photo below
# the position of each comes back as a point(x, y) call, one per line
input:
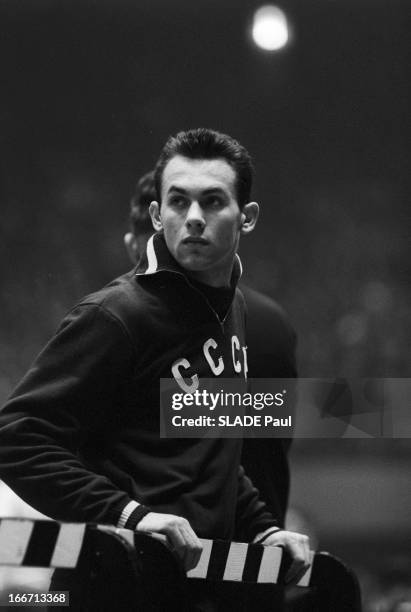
point(239, 562)
point(45, 543)
point(40, 543)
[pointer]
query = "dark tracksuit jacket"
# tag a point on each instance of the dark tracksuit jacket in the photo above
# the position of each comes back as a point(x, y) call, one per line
point(271, 342)
point(79, 437)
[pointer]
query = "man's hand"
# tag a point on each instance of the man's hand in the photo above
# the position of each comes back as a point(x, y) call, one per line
point(179, 533)
point(298, 546)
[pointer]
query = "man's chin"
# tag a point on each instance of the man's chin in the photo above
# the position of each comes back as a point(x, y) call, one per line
point(193, 264)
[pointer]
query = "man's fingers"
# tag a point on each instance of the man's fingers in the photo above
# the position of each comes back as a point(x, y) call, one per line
point(186, 544)
point(180, 535)
point(176, 541)
point(192, 547)
point(307, 552)
point(297, 545)
point(296, 551)
point(296, 572)
point(300, 552)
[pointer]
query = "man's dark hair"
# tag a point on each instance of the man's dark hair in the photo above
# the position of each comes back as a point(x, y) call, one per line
point(144, 194)
point(203, 143)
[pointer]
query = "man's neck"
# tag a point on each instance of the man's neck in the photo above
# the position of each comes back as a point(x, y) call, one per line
point(219, 298)
point(215, 279)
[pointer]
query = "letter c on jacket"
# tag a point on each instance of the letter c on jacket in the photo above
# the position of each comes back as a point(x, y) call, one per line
point(175, 369)
point(216, 369)
point(235, 345)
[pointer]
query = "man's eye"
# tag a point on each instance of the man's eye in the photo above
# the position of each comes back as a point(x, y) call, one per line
point(214, 202)
point(178, 201)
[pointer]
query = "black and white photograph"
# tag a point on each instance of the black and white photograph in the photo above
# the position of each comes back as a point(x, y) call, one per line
point(205, 388)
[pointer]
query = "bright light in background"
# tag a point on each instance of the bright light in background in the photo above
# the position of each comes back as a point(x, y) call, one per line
point(270, 28)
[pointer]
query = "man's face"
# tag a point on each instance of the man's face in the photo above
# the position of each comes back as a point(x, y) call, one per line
point(200, 216)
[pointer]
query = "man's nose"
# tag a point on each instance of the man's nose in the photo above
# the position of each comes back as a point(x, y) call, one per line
point(195, 217)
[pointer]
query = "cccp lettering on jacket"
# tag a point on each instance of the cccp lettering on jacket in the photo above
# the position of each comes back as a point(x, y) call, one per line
point(214, 361)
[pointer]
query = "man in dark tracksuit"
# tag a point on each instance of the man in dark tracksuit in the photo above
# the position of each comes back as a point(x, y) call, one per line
point(271, 347)
point(79, 438)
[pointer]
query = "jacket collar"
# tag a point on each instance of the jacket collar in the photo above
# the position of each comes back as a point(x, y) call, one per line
point(158, 258)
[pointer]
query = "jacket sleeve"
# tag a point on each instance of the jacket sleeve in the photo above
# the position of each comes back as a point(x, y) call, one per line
point(252, 515)
point(65, 395)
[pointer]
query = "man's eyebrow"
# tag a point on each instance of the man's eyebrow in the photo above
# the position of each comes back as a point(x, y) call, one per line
point(214, 190)
point(177, 189)
point(205, 191)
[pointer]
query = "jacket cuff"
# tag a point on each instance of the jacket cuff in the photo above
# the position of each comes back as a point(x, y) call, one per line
point(136, 515)
point(132, 514)
point(125, 514)
point(261, 537)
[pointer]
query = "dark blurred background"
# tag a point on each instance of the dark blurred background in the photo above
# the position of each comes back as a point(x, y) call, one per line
point(90, 90)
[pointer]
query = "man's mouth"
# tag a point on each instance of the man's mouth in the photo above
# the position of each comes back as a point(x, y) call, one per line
point(195, 240)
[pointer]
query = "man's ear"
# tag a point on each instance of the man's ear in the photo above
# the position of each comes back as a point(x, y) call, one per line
point(130, 243)
point(249, 216)
point(154, 211)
